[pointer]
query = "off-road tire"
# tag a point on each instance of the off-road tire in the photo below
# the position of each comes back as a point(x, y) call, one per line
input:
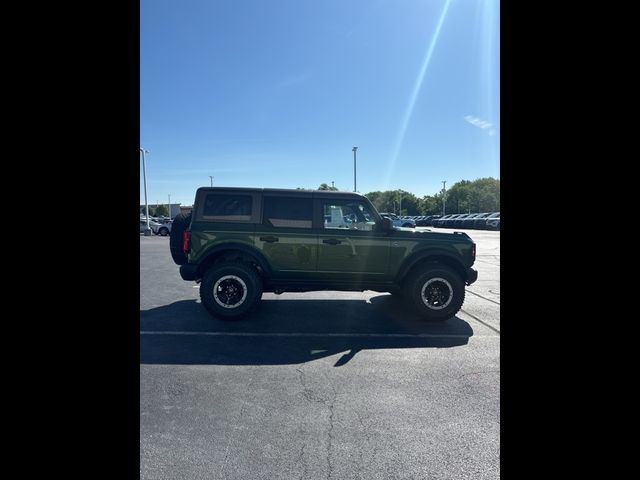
point(443, 291)
point(236, 275)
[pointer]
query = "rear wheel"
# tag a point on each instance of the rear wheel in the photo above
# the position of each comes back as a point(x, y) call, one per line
point(163, 232)
point(180, 223)
point(229, 290)
point(435, 292)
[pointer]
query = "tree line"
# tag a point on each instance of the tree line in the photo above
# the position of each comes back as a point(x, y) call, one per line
point(160, 211)
point(465, 196)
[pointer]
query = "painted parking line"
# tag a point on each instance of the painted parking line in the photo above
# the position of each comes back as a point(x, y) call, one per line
point(300, 334)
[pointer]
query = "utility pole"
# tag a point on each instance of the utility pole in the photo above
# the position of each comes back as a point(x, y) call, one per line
point(400, 209)
point(354, 149)
point(169, 205)
point(211, 177)
point(147, 230)
point(444, 196)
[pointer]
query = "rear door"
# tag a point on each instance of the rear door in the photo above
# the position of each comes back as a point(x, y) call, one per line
point(286, 236)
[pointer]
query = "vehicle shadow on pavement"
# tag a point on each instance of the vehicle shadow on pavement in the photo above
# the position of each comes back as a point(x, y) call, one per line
point(289, 331)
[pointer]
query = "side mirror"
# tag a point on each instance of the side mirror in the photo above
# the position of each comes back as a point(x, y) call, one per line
point(387, 224)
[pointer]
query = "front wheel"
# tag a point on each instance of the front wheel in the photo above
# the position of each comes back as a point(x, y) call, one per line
point(229, 290)
point(163, 232)
point(436, 292)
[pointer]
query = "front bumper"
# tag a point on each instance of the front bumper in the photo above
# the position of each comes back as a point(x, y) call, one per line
point(472, 276)
point(188, 271)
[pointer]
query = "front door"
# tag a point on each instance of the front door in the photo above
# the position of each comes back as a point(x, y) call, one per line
point(349, 246)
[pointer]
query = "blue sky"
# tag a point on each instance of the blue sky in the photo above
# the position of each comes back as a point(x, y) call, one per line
point(275, 93)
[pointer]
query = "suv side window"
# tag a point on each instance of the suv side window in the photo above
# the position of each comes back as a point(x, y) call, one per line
point(227, 207)
point(353, 215)
point(288, 212)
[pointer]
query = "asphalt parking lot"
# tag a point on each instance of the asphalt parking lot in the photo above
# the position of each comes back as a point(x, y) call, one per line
point(339, 385)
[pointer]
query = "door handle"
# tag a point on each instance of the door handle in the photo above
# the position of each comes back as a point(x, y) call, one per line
point(331, 241)
point(269, 239)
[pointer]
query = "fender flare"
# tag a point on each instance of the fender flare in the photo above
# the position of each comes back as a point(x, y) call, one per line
point(244, 248)
point(435, 253)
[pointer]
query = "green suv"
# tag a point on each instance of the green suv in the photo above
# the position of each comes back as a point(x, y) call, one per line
point(240, 242)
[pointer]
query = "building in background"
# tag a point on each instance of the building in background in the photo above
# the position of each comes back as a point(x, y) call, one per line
point(174, 209)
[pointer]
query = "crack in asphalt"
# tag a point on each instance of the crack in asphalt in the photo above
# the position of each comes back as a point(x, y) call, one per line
point(312, 397)
point(330, 433)
point(478, 373)
point(307, 392)
point(299, 461)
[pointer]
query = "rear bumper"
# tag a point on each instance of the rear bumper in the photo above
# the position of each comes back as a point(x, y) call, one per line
point(188, 271)
point(472, 276)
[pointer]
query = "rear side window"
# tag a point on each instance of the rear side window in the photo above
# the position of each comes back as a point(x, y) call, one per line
point(288, 212)
point(227, 206)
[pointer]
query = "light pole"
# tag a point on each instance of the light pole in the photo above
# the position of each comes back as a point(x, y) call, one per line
point(400, 208)
point(444, 196)
point(169, 207)
point(147, 230)
point(354, 149)
point(211, 177)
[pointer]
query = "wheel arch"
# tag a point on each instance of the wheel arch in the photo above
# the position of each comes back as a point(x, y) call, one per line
point(234, 252)
point(420, 260)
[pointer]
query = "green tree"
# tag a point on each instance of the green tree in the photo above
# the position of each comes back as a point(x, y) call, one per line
point(480, 195)
point(477, 196)
point(162, 211)
point(409, 203)
point(431, 204)
point(324, 186)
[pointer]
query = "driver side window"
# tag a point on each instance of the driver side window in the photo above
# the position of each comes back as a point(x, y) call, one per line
point(348, 216)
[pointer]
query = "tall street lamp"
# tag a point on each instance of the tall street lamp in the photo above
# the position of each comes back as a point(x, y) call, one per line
point(354, 149)
point(147, 230)
point(211, 177)
point(169, 205)
point(444, 196)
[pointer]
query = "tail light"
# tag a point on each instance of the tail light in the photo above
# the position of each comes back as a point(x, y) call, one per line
point(186, 241)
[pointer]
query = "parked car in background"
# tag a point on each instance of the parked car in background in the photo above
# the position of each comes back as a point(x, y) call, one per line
point(468, 220)
point(448, 223)
point(480, 220)
point(439, 222)
point(457, 222)
point(427, 220)
point(152, 225)
point(493, 222)
point(399, 222)
point(163, 229)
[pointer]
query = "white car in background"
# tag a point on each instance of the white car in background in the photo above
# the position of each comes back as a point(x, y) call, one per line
point(400, 222)
point(162, 229)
